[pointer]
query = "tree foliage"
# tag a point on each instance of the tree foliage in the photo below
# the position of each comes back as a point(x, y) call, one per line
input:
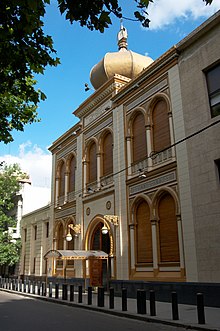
point(25, 50)
point(9, 188)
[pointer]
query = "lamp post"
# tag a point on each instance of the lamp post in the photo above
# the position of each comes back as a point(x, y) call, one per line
point(112, 219)
point(76, 228)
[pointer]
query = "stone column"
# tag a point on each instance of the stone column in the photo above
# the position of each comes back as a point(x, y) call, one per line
point(149, 145)
point(154, 245)
point(132, 247)
point(84, 175)
point(98, 158)
point(66, 187)
point(181, 249)
point(171, 133)
point(56, 191)
point(128, 143)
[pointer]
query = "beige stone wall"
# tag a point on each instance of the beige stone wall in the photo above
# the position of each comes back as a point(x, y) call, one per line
point(32, 248)
point(202, 150)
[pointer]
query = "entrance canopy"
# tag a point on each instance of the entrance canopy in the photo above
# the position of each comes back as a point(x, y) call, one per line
point(75, 254)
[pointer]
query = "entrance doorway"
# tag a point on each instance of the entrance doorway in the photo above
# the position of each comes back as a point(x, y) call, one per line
point(100, 269)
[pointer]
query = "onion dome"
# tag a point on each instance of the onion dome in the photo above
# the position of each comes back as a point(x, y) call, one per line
point(124, 62)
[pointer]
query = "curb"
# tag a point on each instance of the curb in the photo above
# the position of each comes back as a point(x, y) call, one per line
point(113, 312)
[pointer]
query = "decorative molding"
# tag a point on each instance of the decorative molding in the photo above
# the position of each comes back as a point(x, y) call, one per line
point(98, 128)
point(66, 212)
point(147, 94)
point(104, 108)
point(161, 180)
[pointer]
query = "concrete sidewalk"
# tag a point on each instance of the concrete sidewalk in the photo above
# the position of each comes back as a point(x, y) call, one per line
point(187, 313)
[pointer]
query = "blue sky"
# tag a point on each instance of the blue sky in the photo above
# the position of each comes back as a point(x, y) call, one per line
point(79, 49)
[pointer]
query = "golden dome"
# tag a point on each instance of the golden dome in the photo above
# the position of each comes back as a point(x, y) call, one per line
point(124, 62)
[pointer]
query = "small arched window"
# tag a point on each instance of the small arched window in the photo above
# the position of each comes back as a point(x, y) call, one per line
point(92, 176)
point(60, 237)
point(161, 130)
point(62, 180)
point(72, 177)
point(107, 154)
point(139, 138)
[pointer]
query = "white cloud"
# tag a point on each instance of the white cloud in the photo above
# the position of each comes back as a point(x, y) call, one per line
point(35, 161)
point(165, 12)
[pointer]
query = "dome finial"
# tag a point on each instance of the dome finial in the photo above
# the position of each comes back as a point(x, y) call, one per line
point(122, 37)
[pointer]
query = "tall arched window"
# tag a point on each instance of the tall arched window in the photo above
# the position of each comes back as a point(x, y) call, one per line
point(60, 243)
point(72, 178)
point(62, 180)
point(60, 237)
point(161, 131)
point(143, 234)
point(92, 176)
point(107, 154)
point(139, 138)
point(168, 232)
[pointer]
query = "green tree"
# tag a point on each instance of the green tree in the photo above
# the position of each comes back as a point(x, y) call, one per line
point(25, 50)
point(9, 188)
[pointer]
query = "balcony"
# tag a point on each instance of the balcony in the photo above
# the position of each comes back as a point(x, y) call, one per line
point(162, 157)
point(139, 165)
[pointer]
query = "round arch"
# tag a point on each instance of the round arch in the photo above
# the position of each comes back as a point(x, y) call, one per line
point(102, 136)
point(132, 116)
point(87, 146)
point(137, 200)
point(91, 228)
point(158, 97)
point(68, 160)
point(160, 192)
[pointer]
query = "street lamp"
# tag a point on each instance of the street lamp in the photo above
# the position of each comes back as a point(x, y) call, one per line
point(113, 219)
point(76, 228)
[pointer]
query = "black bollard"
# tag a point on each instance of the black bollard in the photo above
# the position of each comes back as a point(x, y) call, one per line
point(33, 287)
point(20, 285)
point(25, 285)
point(111, 298)
point(64, 291)
point(89, 295)
point(200, 308)
point(38, 288)
point(175, 312)
point(50, 289)
point(56, 291)
point(44, 289)
point(152, 303)
point(80, 294)
point(141, 302)
point(29, 286)
point(124, 299)
point(101, 297)
point(71, 292)
point(16, 285)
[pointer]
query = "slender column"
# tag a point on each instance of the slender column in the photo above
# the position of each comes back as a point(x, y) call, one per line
point(171, 132)
point(84, 175)
point(128, 143)
point(66, 186)
point(57, 191)
point(180, 237)
point(154, 245)
point(132, 246)
point(149, 145)
point(98, 158)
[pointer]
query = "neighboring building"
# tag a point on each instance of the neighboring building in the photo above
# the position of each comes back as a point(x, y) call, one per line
point(129, 180)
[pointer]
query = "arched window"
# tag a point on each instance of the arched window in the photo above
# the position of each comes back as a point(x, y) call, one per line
point(168, 232)
point(60, 237)
point(161, 131)
point(107, 154)
point(92, 177)
point(143, 234)
point(139, 138)
point(62, 180)
point(72, 178)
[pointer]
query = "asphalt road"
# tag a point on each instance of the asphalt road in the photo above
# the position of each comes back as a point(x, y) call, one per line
point(18, 313)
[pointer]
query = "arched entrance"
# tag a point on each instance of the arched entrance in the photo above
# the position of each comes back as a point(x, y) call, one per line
point(99, 269)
